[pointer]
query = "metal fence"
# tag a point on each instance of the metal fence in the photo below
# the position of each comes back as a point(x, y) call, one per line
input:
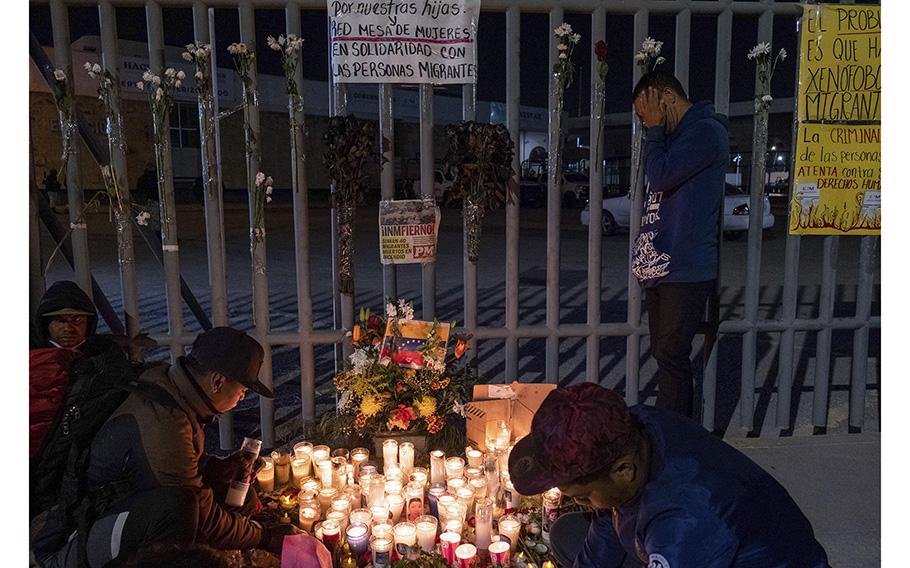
point(307, 338)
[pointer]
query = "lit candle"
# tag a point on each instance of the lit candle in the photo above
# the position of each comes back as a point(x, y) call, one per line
point(466, 556)
point(437, 466)
point(393, 486)
point(504, 459)
point(308, 516)
point(358, 535)
point(433, 494)
point(456, 510)
point(383, 528)
point(500, 553)
point(320, 453)
point(310, 485)
point(382, 549)
point(377, 490)
point(455, 483)
point(454, 467)
point(317, 530)
point(303, 449)
point(511, 497)
point(389, 454)
point(549, 511)
point(426, 532)
point(466, 495)
point(483, 523)
point(358, 457)
point(448, 542)
point(405, 535)
point(282, 467)
point(473, 472)
point(288, 502)
point(444, 502)
point(353, 494)
point(420, 475)
point(453, 525)
point(479, 486)
point(331, 534)
point(475, 457)
point(393, 472)
point(491, 473)
point(396, 503)
point(338, 517)
point(342, 504)
point(380, 513)
point(548, 564)
point(509, 529)
point(339, 471)
point(265, 477)
point(368, 467)
point(341, 453)
point(364, 516)
point(324, 469)
point(300, 468)
point(414, 494)
point(326, 496)
point(406, 457)
point(497, 435)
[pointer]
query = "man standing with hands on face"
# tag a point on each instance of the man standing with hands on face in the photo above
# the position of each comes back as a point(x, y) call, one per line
point(675, 257)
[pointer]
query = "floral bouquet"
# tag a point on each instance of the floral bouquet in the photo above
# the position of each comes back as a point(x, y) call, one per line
point(420, 393)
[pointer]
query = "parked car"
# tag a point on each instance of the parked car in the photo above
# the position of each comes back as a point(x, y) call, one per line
point(736, 213)
point(574, 190)
point(442, 188)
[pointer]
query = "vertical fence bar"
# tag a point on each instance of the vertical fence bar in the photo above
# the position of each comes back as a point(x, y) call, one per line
point(867, 250)
point(214, 214)
point(117, 145)
point(342, 310)
point(79, 235)
point(35, 258)
point(469, 112)
point(633, 308)
point(387, 176)
point(753, 258)
point(169, 247)
point(722, 105)
point(681, 52)
point(300, 191)
point(554, 204)
point(427, 191)
point(595, 208)
point(259, 267)
point(823, 340)
point(513, 122)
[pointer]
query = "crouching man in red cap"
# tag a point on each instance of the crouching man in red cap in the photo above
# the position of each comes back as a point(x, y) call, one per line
point(665, 492)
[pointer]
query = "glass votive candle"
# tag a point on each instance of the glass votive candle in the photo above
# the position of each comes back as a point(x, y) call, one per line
point(339, 472)
point(479, 486)
point(338, 517)
point(448, 542)
point(358, 537)
point(396, 504)
point(454, 468)
point(500, 553)
point(393, 486)
point(321, 453)
point(406, 457)
point(498, 435)
point(443, 503)
point(368, 467)
point(419, 475)
point(550, 511)
point(342, 504)
point(510, 497)
point(509, 529)
point(393, 472)
point(475, 457)
point(426, 532)
point(381, 547)
point(282, 463)
point(380, 513)
point(504, 458)
point(405, 535)
point(303, 449)
point(483, 523)
point(310, 484)
point(455, 483)
point(383, 528)
point(287, 502)
point(265, 477)
point(300, 467)
point(465, 495)
point(466, 556)
point(389, 454)
point(473, 472)
point(331, 534)
point(326, 496)
point(377, 490)
point(349, 474)
point(317, 530)
point(453, 525)
point(361, 515)
point(435, 491)
point(437, 466)
point(352, 492)
point(308, 517)
point(414, 494)
point(358, 457)
point(340, 453)
point(323, 469)
point(457, 510)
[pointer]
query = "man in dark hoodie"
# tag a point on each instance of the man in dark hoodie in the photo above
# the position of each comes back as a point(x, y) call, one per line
point(676, 254)
point(65, 317)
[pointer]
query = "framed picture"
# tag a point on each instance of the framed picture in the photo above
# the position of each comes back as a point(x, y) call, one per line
point(406, 347)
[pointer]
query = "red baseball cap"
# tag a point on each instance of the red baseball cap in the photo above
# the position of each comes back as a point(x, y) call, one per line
point(578, 430)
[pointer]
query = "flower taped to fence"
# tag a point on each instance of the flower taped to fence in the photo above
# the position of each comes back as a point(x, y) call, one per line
point(402, 379)
point(349, 143)
point(481, 154)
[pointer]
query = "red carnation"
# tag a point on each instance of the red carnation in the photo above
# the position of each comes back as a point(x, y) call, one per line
point(374, 322)
point(600, 50)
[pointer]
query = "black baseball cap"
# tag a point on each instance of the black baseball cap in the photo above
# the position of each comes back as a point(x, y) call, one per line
point(232, 353)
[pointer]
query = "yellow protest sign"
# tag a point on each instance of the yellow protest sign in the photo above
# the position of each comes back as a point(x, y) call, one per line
point(837, 172)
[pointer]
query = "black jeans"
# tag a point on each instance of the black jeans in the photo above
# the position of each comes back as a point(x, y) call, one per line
point(674, 311)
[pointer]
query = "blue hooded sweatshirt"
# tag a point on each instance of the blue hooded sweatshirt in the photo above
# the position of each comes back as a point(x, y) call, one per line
point(685, 171)
point(705, 505)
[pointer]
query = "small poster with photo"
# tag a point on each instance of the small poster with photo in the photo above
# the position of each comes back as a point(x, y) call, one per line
point(405, 342)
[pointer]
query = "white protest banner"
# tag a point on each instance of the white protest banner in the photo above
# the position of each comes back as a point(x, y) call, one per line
point(408, 231)
point(404, 41)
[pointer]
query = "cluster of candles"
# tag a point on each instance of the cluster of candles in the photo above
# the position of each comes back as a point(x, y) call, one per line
point(344, 497)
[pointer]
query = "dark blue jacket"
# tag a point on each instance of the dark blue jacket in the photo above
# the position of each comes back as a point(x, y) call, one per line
point(685, 172)
point(705, 505)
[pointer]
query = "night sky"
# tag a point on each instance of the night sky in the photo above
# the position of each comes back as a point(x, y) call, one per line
point(491, 49)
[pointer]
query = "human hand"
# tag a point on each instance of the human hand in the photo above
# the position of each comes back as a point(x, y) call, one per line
point(273, 536)
point(651, 108)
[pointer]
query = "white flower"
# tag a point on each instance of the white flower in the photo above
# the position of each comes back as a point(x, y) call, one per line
point(563, 55)
point(260, 177)
point(232, 49)
point(344, 400)
point(640, 57)
point(359, 361)
point(156, 79)
point(177, 84)
point(782, 54)
point(406, 312)
point(198, 75)
point(660, 60)
point(187, 56)
point(281, 39)
point(390, 310)
point(575, 38)
point(268, 199)
point(272, 43)
point(59, 75)
point(269, 181)
point(651, 46)
point(563, 30)
point(181, 75)
point(158, 94)
point(268, 190)
point(767, 98)
point(458, 408)
point(147, 76)
point(562, 47)
point(140, 85)
point(434, 365)
point(763, 48)
point(143, 218)
point(87, 66)
point(190, 46)
point(170, 72)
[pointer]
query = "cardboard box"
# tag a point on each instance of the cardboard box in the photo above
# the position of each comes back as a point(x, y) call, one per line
point(515, 403)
